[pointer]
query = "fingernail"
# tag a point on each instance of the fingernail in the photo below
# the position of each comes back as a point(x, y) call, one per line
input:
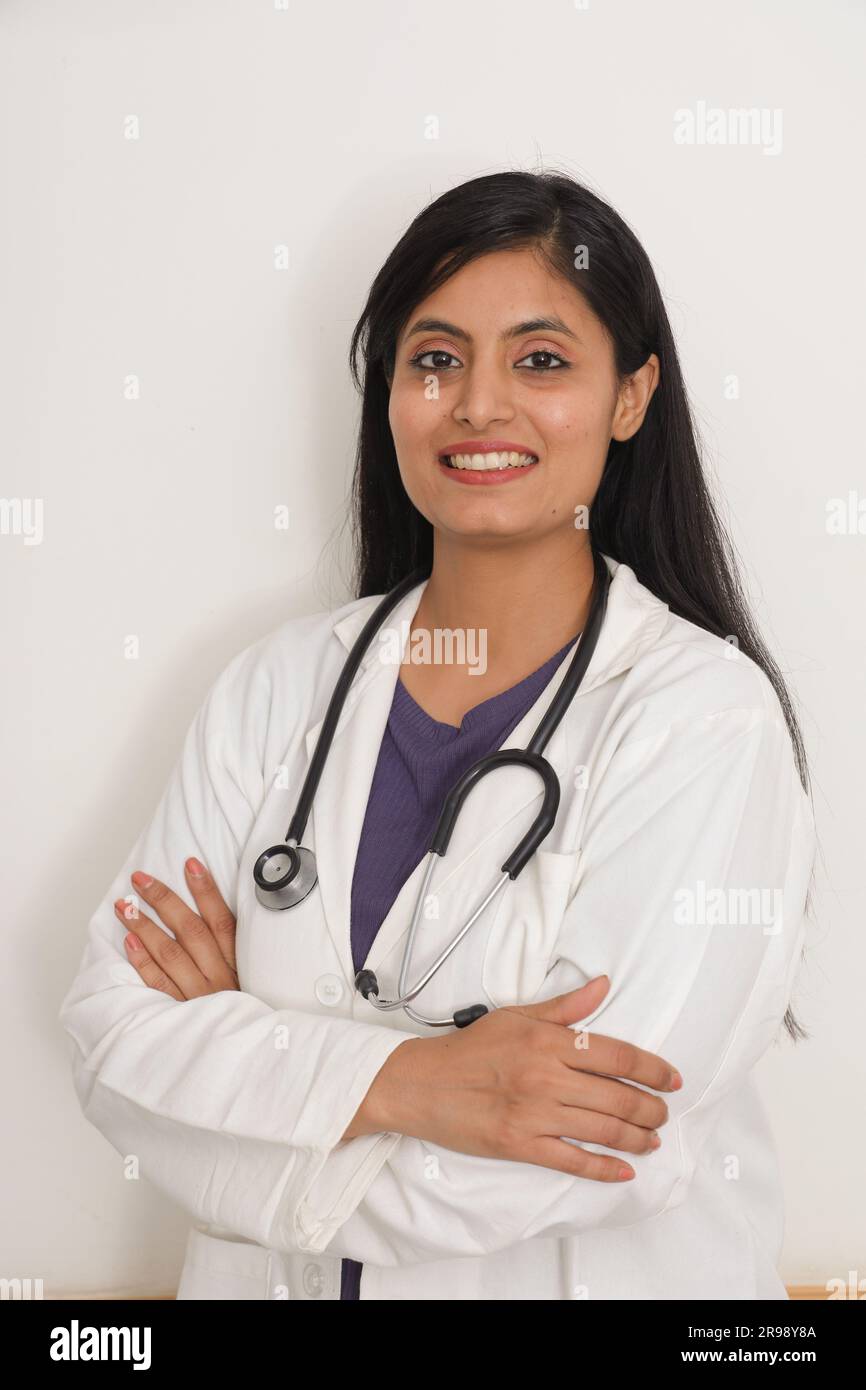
point(655, 1142)
point(625, 1174)
point(195, 868)
point(676, 1082)
point(141, 880)
point(125, 909)
point(132, 942)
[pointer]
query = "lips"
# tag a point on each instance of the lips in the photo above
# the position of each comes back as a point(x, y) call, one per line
point(474, 473)
point(470, 448)
point(491, 461)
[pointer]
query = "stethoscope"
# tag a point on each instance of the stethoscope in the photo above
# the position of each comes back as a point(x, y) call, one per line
point(286, 873)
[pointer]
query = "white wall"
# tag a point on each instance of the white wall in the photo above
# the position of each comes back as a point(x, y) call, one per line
point(155, 257)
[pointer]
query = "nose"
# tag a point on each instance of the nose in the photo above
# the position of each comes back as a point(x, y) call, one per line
point(485, 395)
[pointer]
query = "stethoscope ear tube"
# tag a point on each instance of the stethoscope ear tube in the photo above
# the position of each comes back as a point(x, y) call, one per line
point(541, 826)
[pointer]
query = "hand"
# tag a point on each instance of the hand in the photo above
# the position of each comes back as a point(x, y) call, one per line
point(201, 958)
point(517, 1082)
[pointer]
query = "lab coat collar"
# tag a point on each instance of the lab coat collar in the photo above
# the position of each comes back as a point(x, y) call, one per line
point(633, 622)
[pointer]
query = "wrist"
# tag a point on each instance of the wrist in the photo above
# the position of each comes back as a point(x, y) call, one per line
point(393, 1103)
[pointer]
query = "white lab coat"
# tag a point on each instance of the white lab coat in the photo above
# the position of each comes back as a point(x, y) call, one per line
point(677, 771)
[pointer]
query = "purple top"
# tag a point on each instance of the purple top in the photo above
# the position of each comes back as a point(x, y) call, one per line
point(419, 761)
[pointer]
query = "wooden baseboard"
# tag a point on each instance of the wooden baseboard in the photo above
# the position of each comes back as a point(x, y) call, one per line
point(798, 1292)
point(808, 1291)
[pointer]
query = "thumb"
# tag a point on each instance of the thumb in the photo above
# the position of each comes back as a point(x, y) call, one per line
point(568, 1008)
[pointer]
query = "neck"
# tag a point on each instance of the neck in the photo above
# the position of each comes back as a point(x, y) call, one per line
point(530, 600)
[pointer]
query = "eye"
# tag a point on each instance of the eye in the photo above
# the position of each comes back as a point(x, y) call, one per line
point(545, 352)
point(418, 360)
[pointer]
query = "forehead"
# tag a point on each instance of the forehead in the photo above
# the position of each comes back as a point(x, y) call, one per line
point(500, 289)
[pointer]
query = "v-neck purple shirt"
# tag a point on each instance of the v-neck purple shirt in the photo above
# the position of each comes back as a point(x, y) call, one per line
point(419, 761)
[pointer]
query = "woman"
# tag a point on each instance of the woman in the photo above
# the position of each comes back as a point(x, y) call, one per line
point(519, 377)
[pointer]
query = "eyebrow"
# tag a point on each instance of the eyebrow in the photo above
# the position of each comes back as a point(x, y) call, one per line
point(518, 330)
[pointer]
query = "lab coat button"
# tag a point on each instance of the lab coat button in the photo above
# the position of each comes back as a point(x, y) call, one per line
point(313, 1280)
point(329, 989)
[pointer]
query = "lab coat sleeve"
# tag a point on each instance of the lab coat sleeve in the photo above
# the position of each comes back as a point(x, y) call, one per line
point(682, 824)
point(230, 1107)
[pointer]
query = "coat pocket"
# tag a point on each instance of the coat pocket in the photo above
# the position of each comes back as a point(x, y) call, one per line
point(520, 945)
point(224, 1268)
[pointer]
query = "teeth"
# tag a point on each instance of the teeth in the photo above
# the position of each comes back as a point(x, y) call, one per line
point(487, 462)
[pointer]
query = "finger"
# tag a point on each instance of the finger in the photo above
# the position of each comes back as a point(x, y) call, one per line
point(606, 1056)
point(618, 1114)
point(213, 909)
point(167, 954)
point(150, 972)
point(607, 1096)
point(592, 1126)
point(193, 934)
point(571, 1158)
point(571, 1006)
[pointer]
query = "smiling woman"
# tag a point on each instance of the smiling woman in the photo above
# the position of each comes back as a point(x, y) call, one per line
point(510, 388)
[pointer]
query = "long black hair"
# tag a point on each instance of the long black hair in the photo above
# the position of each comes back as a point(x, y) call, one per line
point(653, 509)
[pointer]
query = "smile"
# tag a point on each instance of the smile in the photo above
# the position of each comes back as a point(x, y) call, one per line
point(491, 461)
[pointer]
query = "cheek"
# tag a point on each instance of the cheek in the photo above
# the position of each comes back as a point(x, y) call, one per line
point(574, 418)
point(414, 422)
point(576, 427)
point(412, 417)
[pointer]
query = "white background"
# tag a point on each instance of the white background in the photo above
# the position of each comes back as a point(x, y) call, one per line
point(306, 127)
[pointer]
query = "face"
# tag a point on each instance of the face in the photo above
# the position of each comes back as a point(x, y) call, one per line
point(475, 368)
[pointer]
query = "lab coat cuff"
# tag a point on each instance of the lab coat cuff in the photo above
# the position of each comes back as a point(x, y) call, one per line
point(340, 1174)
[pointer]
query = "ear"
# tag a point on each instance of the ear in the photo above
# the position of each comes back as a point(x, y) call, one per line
point(634, 397)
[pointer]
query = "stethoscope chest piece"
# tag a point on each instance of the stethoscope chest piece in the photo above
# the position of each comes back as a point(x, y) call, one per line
point(284, 875)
